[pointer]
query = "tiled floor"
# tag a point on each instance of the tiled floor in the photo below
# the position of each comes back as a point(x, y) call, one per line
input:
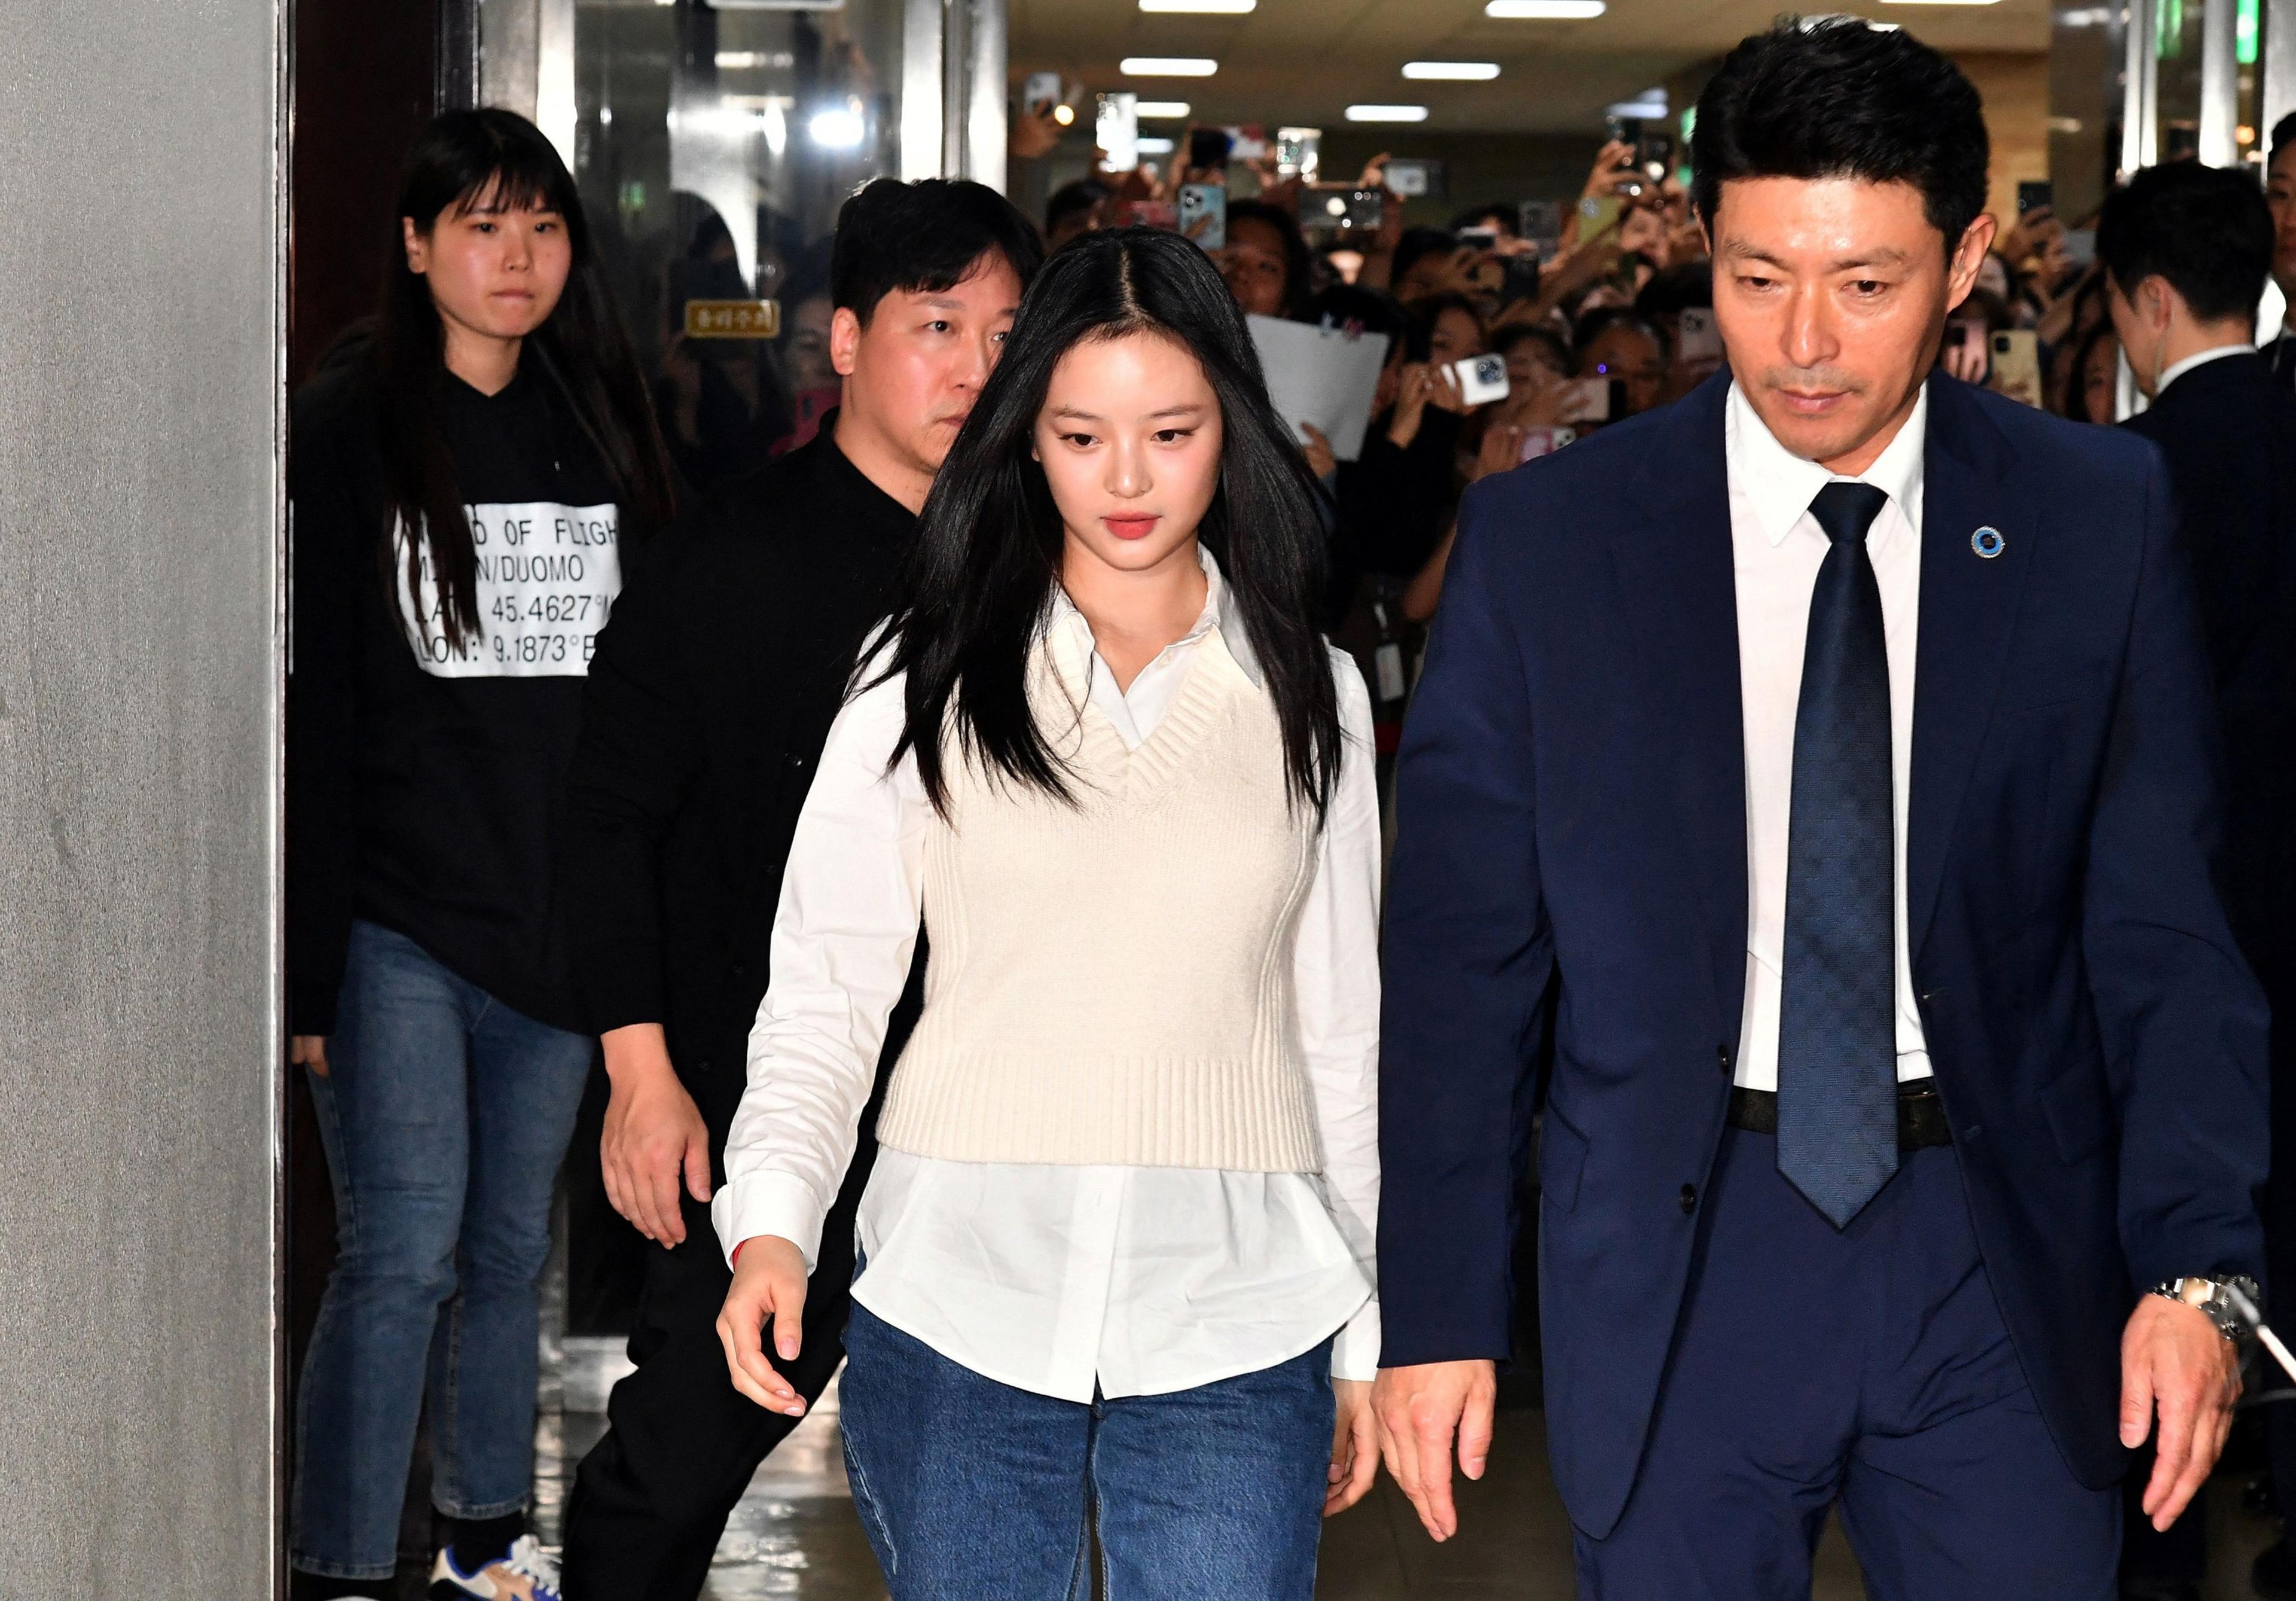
point(794, 1534)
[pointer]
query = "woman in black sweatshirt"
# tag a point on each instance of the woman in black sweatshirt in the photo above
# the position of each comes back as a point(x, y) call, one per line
point(465, 478)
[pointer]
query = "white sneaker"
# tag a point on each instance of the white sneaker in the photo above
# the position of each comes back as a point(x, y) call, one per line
point(526, 1574)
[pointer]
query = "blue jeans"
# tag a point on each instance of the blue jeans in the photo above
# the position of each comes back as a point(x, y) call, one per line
point(971, 1490)
point(445, 1115)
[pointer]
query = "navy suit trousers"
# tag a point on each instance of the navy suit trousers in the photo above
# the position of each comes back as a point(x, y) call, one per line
point(1868, 1368)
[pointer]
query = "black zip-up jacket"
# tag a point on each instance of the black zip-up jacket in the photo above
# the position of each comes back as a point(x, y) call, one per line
point(423, 802)
point(704, 719)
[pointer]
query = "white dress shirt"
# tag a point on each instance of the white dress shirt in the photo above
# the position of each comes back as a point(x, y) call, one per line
point(2178, 369)
point(1061, 1279)
point(1776, 549)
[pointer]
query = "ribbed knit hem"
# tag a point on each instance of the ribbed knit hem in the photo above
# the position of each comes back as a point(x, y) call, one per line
point(1240, 1116)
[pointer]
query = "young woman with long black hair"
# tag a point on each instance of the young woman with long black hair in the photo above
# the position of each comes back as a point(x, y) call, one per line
point(1116, 1250)
point(464, 477)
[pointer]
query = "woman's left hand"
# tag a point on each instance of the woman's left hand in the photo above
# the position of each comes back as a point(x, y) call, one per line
point(1355, 1445)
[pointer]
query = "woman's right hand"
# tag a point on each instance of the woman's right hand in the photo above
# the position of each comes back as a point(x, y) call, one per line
point(768, 1283)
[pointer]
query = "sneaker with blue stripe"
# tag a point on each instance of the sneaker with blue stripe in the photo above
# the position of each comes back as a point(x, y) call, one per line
point(528, 1574)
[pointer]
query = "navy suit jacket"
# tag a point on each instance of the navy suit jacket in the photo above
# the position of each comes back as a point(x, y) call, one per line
point(1572, 807)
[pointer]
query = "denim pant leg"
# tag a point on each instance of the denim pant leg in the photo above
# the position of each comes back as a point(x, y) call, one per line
point(393, 1118)
point(1216, 1493)
point(966, 1488)
point(525, 1087)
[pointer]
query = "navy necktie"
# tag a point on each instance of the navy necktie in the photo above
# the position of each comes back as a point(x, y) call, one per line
point(1837, 1023)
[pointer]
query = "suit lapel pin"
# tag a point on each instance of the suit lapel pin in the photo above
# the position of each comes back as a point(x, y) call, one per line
point(1986, 542)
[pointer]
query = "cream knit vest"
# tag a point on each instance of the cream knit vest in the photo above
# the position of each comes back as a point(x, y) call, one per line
point(1111, 982)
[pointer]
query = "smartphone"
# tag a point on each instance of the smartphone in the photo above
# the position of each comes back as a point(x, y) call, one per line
point(1298, 153)
point(2032, 195)
point(1541, 222)
point(1116, 129)
point(1415, 179)
point(1520, 281)
point(1540, 440)
point(1594, 399)
point(2081, 246)
point(2017, 365)
point(1246, 142)
point(1598, 214)
point(1478, 239)
point(1696, 338)
point(1151, 214)
point(1654, 152)
point(1342, 210)
point(1041, 93)
point(1482, 378)
point(1203, 215)
point(1208, 149)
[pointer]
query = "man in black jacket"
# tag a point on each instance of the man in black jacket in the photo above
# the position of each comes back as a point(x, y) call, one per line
point(707, 707)
point(2186, 249)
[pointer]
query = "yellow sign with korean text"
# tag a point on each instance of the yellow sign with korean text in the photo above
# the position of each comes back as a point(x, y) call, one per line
point(733, 319)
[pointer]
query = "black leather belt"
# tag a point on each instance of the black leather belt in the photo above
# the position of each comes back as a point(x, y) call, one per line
point(1921, 1114)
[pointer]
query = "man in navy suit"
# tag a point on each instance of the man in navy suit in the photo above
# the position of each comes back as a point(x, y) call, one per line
point(1839, 743)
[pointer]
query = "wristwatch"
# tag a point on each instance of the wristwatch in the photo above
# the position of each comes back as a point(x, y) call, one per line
point(2234, 1313)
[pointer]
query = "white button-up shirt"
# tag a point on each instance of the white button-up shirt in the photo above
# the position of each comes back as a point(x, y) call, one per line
point(1061, 1279)
point(1776, 549)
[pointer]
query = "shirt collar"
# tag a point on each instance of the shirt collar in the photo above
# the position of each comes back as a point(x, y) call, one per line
point(2176, 370)
point(1780, 485)
point(1218, 613)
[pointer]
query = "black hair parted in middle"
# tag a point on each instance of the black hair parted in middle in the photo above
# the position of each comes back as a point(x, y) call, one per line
point(1837, 97)
point(979, 578)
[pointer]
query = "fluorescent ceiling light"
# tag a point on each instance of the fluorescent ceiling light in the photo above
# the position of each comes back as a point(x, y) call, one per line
point(741, 60)
point(837, 129)
point(1167, 66)
point(1148, 145)
point(1545, 11)
point(1208, 8)
point(1648, 111)
point(1387, 113)
point(1474, 72)
point(1160, 110)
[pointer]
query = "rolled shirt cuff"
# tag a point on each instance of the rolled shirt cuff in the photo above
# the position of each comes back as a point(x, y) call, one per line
point(1355, 1353)
point(776, 1203)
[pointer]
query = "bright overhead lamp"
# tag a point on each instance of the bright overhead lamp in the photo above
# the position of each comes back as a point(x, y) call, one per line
point(1545, 11)
point(1167, 66)
point(1387, 113)
point(1200, 8)
point(1149, 146)
point(1940, 2)
point(1161, 109)
point(1465, 72)
point(837, 128)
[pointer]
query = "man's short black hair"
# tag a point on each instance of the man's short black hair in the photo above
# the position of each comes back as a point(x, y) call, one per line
point(1836, 97)
point(1501, 214)
point(2284, 135)
point(2205, 230)
point(925, 236)
point(1415, 245)
point(1086, 194)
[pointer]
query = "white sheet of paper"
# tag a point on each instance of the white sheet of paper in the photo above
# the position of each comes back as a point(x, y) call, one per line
point(1320, 375)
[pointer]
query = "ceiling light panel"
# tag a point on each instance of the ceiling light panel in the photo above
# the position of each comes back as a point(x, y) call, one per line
point(1200, 8)
point(1167, 66)
point(1545, 11)
point(1465, 72)
point(1387, 113)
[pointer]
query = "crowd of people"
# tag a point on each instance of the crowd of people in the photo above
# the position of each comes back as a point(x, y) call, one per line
point(945, 758)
